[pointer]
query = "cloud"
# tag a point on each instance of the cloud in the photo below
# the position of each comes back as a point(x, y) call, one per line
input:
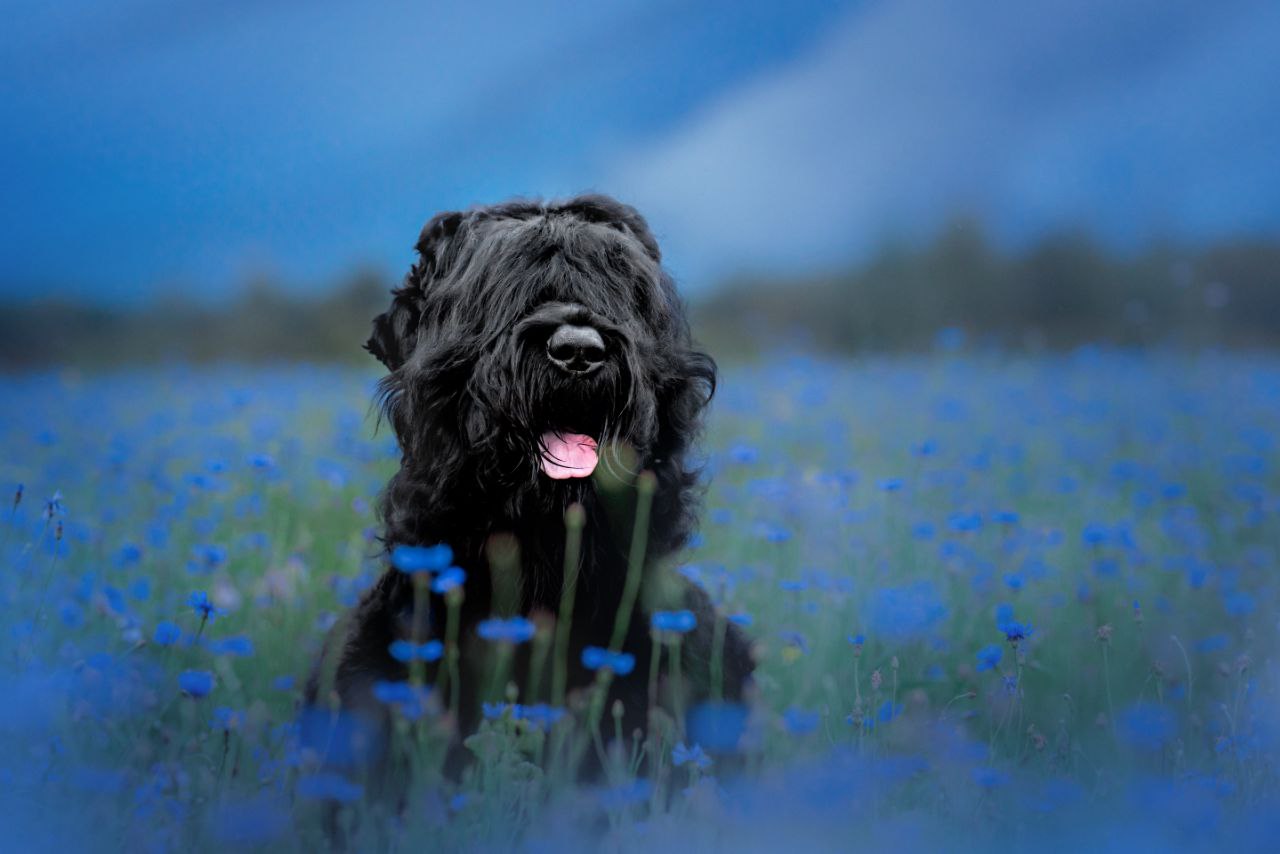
point(1153, 118)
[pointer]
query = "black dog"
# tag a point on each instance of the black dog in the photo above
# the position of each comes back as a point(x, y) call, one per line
point(526, 347)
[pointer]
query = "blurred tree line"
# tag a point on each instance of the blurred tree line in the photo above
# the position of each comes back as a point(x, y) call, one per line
point(1064, 291)
point(958, 290)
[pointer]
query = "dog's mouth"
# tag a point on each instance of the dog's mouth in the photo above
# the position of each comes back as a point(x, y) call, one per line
point(568, 455)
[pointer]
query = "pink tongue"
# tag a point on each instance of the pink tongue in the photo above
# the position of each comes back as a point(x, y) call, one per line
point(567, 455)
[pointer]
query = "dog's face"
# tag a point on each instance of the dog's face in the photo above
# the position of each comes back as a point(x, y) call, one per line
point(530, 340)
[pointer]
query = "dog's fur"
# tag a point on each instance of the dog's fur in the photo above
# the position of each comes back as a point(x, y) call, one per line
point(469, 393)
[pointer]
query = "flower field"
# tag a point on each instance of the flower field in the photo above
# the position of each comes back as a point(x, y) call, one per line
point(995, 601)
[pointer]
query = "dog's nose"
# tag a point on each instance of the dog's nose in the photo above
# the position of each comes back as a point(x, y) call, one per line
point(576, 349)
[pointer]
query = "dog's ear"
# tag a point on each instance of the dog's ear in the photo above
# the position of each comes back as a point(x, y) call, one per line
point(435, 248)
point(395, 331)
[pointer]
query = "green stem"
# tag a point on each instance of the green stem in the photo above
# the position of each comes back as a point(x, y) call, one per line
point(717, 658)
point(497, 687)
point(574, 519)
point(451, 650)
point(1106, 678)
point(654, 660)
point(677, 684)
point(417, 668)
point(1185, 660)
point(646, 484)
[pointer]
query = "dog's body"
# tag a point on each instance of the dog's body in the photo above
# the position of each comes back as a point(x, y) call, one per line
point(526, 342)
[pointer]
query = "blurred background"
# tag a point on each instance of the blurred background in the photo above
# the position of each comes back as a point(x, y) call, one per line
point(194, 181)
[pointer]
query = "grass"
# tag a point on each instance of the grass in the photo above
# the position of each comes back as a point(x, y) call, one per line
point(880, 526)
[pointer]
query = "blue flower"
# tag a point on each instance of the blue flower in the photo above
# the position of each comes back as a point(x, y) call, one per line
point(283, 683)
point(1014, 631)
point(204, 608)
point(927, 448)
point(682, 755)
point(197, 683)
point(720, 726)
point(1147, 726)
point(742, 618)
point(449, 578)
point(989, 657)
point(413, 559)
point(393, 692)
point(961, 522)
point(902, 613)
point(225, 718)
point(857, 640)
point(1095, 534)
point(238, 645)
point(410, 700)
point(209, 556)
point(772, 532)
point(989, 778)
point(167, 633)
point(262, 462)
point(510, 630)
point(799, 721)
point(598, 658)
point(403, 650)
point(678, 622)
point(540, 716)
point(140, 589)
point(237, 823)
point(328, 786)
point(619, 797)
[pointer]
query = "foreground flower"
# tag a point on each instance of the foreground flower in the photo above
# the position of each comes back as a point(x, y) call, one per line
point(682, 755)
point(328, 787)
point(412, 559)
point(511, 630)
point(410, 700)
point(989, 657)
point(540, 716)
point(226, 718)
point(197, 683)
point(237, 645)
point(1014, 631)
point(597, 658)
point(167, 633)
point(449, 578)
point(203, 606)
point(403, 650)
point(677, 622)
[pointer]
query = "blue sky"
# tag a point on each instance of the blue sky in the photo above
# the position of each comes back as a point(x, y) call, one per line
point(154, 148)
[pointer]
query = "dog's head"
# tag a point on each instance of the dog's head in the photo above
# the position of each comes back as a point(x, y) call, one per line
point(531, 339)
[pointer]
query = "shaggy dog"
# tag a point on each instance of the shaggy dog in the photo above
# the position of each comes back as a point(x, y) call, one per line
point(538, 358)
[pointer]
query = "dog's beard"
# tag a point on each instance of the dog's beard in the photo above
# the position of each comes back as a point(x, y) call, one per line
point(582, 426)
point(533, 430)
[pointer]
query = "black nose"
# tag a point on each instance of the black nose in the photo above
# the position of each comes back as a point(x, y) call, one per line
point(576, 349)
